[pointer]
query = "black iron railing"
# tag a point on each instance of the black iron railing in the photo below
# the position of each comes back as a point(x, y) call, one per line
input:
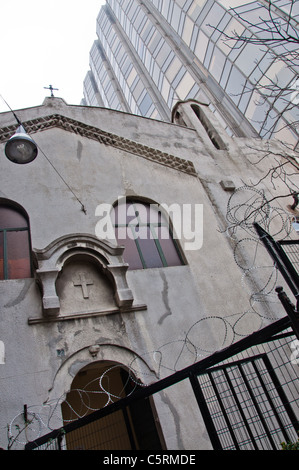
point(285, 255)
point(247, 396)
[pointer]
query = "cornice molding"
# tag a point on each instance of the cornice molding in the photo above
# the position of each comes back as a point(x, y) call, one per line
point(70, 125)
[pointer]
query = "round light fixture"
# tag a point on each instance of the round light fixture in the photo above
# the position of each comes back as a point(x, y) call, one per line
point(20, 148)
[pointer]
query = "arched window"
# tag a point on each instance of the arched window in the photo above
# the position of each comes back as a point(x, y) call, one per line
point(146, 235)
point(15, 260)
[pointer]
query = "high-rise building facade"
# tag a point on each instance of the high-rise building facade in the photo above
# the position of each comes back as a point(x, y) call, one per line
point(150, 54)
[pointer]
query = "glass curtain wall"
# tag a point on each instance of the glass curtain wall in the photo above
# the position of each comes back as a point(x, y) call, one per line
point(162, 51)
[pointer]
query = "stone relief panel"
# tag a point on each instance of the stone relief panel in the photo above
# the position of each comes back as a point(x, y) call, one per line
point(82, 287)
point(80, 275)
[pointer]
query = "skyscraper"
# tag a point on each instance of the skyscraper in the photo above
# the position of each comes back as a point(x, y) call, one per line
point(152, 53)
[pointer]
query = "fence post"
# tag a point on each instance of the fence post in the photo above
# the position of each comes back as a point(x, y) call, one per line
point(215, 441)
point(290, 309)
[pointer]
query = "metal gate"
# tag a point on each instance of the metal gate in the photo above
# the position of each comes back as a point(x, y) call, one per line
point(248, 394)
point(246, 406)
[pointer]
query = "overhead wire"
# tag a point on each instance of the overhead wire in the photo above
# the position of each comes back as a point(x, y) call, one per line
point(83, 209)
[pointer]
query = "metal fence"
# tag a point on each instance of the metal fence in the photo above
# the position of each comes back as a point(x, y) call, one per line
point(247, 395)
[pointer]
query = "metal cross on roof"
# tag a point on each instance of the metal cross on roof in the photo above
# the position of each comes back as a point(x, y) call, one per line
point(50, 87)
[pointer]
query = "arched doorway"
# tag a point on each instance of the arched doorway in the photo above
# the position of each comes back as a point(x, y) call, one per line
point(94, 387)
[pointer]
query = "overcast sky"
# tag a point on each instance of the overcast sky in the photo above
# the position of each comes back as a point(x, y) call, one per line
point(45, 43)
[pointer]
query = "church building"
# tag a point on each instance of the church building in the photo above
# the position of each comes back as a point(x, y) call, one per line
point(117, 267)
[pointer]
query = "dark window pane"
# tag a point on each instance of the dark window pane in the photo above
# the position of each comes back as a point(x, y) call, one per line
point(10, 218)
point(18, 255)
point(155, 215)
point(169, 250)
point(149, 249)
point(131, 255)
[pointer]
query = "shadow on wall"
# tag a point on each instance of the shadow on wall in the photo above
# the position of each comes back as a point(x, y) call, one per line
point(2, 353)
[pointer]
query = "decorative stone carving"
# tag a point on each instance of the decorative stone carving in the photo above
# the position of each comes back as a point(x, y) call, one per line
point(94, 350)
point(75, 252)
point(123, 295)
point(83, 282)
point(46, 279)
point(91, 132)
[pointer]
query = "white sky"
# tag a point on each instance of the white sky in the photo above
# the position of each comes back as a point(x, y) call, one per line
point(45, 43)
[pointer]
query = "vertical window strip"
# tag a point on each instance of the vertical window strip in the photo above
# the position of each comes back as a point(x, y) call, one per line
point(6, 258)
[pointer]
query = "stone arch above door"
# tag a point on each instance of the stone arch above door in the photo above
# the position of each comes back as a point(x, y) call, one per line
point(80, 262)
point(143, 368)
point(134, 427)
point(87, 356)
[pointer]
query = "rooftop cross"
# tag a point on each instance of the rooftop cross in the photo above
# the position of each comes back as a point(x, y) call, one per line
point(50, 87)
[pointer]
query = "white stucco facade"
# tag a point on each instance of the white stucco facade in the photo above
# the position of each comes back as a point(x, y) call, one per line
point(155, 320)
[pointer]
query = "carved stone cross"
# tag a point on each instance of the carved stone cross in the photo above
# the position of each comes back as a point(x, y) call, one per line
point(83, 283)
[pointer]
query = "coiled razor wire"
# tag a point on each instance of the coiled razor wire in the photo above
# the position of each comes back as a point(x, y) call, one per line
point(246, 206)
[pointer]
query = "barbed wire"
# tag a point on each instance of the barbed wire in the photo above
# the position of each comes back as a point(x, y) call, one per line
point(246, 206)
